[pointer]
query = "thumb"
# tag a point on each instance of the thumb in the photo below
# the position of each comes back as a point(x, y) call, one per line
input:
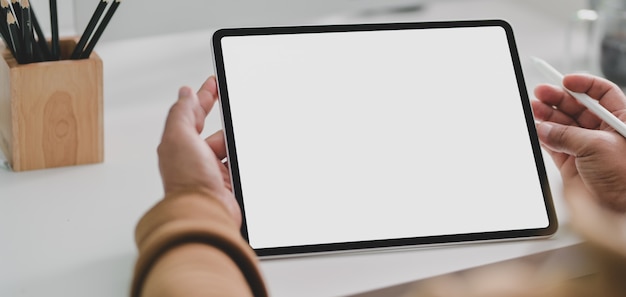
point(570, 140)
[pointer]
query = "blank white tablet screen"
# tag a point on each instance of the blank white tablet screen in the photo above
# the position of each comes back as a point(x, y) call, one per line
point(357, 136)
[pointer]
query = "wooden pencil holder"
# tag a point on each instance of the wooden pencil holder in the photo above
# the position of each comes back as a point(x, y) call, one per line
point(51, 113)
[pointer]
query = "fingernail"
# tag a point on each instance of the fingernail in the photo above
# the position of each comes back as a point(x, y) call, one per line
point(543, 129)
point(184, 92)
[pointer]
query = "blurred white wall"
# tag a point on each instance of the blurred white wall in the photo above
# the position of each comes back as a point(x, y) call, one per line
point(150, 17)
point(65, 9)
point(563, 9)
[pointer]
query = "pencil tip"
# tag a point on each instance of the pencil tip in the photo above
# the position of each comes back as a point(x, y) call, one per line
point(25, 3)
point(10, 18)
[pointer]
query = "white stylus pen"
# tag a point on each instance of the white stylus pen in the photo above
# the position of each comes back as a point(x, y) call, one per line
point(591, 104)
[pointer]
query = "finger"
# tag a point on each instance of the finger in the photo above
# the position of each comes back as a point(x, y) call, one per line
point(217, 143)
point(544, 112)
point(206, 98)
point(571, 140)
point(564, 163)
point(558, 158)
point(189, 102)
point(557, 97)
point(606, 92)
point(566, 104)
point(226, 177)
point(207, 94)
point(212, 85)
point(181, 117)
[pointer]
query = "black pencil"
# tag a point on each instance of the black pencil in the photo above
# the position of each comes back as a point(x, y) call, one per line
point(4, 31)
point(4, 8)
point(27, 32)
point(54, 22)
point(4, 28)
point(16, 7)
point(41, 37)
point(89, 29)
point(103, 24)
point(14, 35)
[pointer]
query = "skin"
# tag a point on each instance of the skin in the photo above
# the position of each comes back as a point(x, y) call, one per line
point(588, 153)
point(186, 161)
point(590, 158)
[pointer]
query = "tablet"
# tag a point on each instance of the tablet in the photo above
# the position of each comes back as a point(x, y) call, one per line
point(352, 137)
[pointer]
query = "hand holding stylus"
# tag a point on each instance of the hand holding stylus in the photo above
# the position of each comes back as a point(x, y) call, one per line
point(592, 105)
point(588, 152)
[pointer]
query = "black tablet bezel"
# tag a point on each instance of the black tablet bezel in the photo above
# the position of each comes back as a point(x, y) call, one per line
point(396, 242)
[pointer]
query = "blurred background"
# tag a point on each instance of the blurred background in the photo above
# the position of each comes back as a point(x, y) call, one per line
point(149, 17)
point(593, 36)
point(155, 17)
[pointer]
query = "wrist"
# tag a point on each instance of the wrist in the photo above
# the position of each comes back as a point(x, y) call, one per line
point(225, 197)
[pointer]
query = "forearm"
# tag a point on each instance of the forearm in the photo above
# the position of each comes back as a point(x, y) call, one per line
point(189, 243)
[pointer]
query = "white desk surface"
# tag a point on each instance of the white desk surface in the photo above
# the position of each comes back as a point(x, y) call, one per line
point(69, 231)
